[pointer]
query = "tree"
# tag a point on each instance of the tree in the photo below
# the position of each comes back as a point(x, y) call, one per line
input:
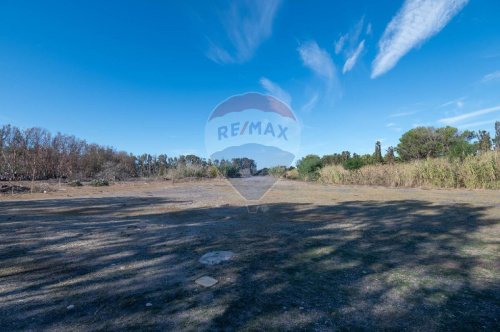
point(331, 159)
point(377, 155)
point(354, 163)
point(344, 156)
point(429, 142)
point(497, 135)
point(389, 157)
point(34, 154)
point(367, 159)
point(228, 169)
point(484, 141)
point(308, 166)
point(33, 138)
point(418, 143)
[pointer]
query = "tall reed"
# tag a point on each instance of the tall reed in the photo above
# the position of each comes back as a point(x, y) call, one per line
point(474, 172)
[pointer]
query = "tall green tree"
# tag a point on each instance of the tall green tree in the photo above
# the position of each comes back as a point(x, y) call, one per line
point(429, 142)
point(377, 155)
point(497, 136)
point(419, 143)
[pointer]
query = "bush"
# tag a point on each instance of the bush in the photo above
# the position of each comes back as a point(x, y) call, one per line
point(228, 170)
point(278, 171)
point(353, 163)
point(212, 172)
point(99, 182)
point(75, 183)
point(308, 167)
point(333, 174)
point(292, 174)
point(263, 172)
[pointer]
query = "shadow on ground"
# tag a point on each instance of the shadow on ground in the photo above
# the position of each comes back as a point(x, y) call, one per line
point(354, 265)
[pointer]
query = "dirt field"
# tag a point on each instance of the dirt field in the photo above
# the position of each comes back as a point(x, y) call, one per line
point(314, 257)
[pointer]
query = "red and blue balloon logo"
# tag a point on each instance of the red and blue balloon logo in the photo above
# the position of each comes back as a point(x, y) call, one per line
point(254, 132)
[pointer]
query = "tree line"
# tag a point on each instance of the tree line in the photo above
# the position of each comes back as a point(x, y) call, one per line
point(36, 154)
point(415, 144)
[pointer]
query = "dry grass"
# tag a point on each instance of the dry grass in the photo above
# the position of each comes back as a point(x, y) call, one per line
point(481, 172)
point(313, 258)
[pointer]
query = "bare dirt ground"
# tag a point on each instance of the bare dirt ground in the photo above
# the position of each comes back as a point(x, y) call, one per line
point(314, 257)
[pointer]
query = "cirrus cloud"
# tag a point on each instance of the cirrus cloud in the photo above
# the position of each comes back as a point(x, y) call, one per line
point(247, 24)
point(275, 90)
point(416, 22)
point(318, 60)
point(470, 115)
point(351, 61)
point(494, 76)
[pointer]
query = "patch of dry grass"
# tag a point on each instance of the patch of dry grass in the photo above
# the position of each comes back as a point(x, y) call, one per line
point(481, 172)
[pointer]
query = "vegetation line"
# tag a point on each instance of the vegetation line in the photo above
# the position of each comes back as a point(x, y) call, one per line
point(426, 156)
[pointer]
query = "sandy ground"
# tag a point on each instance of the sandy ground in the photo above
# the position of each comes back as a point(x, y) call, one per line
point(313, 257)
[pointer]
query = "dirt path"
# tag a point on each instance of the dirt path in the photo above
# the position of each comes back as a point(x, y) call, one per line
point(314, 257)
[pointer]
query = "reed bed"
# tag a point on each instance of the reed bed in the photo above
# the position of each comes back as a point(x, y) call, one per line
point(474, 172)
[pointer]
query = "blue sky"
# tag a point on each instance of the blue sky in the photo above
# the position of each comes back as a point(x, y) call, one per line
point(143, 76)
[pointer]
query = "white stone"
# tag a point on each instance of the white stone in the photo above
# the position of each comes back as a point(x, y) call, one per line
point(149, 304)
point(206, 281)
point(216, 257)
point(71, 306)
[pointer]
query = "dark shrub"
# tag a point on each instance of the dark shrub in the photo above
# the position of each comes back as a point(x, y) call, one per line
point(308, 167)
point(353, 163)
point(99, 183)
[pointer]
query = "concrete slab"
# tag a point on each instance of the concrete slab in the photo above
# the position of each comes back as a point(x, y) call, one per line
point(206, 281)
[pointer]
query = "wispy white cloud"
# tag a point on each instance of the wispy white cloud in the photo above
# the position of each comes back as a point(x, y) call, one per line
point(275, 90)
point(416, 21)
point(247, 24)
point(349, 46)
point(319, 61)
point(351, 60)
point(327, 87)
point(369, 29)
point(491, 76)
point(348, 41)
point(390, 124)
point(471, 115)
point(401, 114)
point(339, 44)
point(310, 104)
point(459, 102)
point(219, 55)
